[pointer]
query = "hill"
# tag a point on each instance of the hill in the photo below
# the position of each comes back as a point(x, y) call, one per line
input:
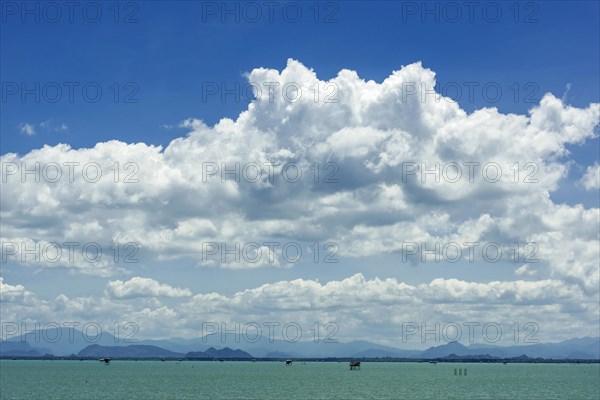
point(131, 351)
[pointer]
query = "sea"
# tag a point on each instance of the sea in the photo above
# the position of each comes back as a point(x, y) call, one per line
point(68, 379)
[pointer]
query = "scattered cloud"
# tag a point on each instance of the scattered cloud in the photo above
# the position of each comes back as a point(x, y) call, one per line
point(27, 129)
point(31, 129)
point(355, 304)
point(591, 177)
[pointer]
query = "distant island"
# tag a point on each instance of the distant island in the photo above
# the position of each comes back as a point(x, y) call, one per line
point(146, 351)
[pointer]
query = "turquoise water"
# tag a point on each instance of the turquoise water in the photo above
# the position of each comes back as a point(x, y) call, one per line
point(273, 380)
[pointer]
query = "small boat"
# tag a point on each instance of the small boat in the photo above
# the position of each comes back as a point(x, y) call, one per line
point(288, 362)
point(105, 360)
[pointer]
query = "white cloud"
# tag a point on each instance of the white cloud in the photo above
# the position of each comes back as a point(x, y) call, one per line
point(27, 129)
point(526, 270)
point(143, 287)
point(591, 178)
point(369, 207)
point(14, 293)
point(48, 126)
point(361, 308)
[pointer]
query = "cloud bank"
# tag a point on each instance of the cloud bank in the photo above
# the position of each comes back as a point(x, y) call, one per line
point(382, 164)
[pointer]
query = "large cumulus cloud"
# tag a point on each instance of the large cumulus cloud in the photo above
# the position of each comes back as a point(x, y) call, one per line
point(370, 134)
point(369, 141)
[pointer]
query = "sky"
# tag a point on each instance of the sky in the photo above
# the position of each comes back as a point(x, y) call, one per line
point(165, 99)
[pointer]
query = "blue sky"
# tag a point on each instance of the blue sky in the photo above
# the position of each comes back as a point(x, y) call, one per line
point(167, 53)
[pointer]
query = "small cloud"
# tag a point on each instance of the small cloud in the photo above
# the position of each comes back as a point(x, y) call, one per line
point(192, 123)
point(27, 129)
point(48, 126)
point(591, 179)
point(189, 123)
point(526, 270)
point(567, 89)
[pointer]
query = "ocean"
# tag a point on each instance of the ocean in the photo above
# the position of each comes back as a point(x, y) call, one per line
point(311, 380)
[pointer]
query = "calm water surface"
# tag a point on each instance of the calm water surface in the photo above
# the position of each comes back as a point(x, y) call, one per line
point(273, 380)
